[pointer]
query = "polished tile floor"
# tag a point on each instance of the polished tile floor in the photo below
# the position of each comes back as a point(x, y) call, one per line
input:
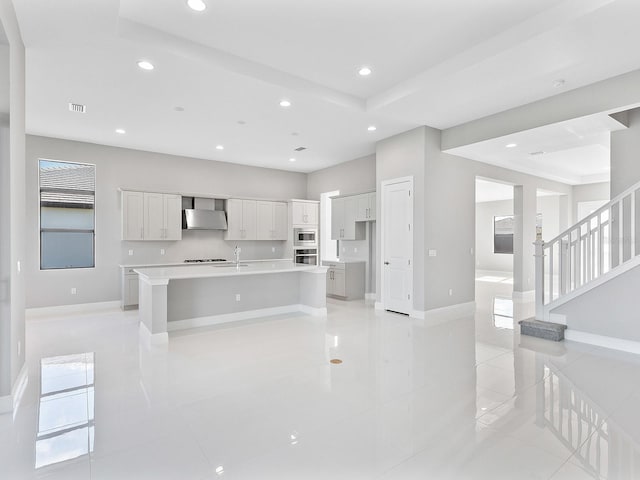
point(460, 399)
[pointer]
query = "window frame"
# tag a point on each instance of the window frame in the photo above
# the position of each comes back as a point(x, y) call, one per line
point(62, 230)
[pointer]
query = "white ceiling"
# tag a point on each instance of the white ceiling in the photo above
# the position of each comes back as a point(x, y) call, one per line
point(492, 191)
point(574, 152)
point(439, 63)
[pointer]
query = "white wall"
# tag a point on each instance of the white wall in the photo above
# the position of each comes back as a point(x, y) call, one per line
point(617, 317)
point(402, 156)
point(444, 214)
point(355, 176)
point(12, 329)
point(625, 155)
point(485, 258)
point(146, 171)
point(591, 192)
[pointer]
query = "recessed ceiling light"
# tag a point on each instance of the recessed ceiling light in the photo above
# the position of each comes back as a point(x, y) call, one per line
point(219, 147)
point(197, 5)
point(364, 71)
point(511, 145)
point(285, 103)
point(292, 159)
point(145, 65)
point(121, 131)
point(372, 128)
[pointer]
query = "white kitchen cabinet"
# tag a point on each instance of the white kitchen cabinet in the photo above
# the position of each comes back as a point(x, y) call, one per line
point(343, 219)
point(241, 219)
point(271, 221)
point(304, 213)
point(365, 207)
point(345, 280)
point(151, 216)
point(132, 215)
point(130, 293)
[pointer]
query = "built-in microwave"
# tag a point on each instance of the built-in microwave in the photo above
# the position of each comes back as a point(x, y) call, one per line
point(305, 237)
point(305, 256)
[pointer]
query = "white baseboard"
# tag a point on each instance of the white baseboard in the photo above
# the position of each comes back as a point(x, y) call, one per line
point(379, 306)
point(558, 318)
point(528, 295)
point(10, 403)
point(313, 311)
point(602, 341)
point(370, 296)
point(80, 308)
point(151, 339)
point(246, 315)
point(449, 312)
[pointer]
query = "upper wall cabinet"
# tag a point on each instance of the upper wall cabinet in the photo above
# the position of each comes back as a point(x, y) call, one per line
point(343, 219)
point(241, 219)
point(366, 207)
point(271, 221)
point(151, 216)
point(304, 213)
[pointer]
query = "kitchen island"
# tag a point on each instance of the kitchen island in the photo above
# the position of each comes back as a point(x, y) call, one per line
point(180, 297)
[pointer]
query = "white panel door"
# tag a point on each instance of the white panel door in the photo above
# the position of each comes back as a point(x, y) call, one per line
point(397, 225)
point(132, 216)
point(249, 218)
point(264, 223)
point(280, 221)
point(154, 216)
point(172, 217)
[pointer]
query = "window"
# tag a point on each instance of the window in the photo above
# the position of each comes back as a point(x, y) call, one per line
point(503, 234)
point(67, 215)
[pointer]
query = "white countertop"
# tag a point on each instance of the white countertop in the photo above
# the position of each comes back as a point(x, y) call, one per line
point(217, 270)
point(175, 264)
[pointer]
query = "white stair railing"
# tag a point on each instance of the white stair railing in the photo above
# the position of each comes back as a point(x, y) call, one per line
point(601, 242)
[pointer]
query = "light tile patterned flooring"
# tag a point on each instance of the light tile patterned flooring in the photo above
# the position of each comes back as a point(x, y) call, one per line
point(413, 399)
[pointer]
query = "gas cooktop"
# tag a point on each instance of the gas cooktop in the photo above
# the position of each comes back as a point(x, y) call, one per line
point(205, 260)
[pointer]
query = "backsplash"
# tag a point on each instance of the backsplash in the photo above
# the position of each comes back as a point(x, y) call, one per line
point(199, 244)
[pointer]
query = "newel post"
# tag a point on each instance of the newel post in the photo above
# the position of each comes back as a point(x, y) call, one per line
point(539, 244)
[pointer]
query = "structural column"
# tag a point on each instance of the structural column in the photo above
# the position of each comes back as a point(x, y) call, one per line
point(524, 210)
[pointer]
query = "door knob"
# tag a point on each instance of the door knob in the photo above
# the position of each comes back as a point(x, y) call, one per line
point(386, 263)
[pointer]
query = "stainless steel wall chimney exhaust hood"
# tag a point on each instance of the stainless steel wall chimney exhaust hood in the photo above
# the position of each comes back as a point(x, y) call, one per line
point(200, 219)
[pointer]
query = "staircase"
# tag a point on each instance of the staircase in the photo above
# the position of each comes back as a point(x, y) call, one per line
point(595, 250)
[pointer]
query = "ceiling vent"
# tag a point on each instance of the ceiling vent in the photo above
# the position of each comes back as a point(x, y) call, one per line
point(299, 149)
point(77, 107)
point(538, 153)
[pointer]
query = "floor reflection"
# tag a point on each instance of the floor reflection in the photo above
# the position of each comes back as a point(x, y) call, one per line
point(503, 312)
point(66, 413)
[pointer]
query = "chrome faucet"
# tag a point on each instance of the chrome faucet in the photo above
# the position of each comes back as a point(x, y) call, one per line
point(236, 254)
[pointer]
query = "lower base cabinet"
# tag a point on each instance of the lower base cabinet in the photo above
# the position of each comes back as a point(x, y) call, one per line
point(130, 293)
point(345, 280)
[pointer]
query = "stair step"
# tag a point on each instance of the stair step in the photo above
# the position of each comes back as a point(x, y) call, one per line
point(540, 329)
